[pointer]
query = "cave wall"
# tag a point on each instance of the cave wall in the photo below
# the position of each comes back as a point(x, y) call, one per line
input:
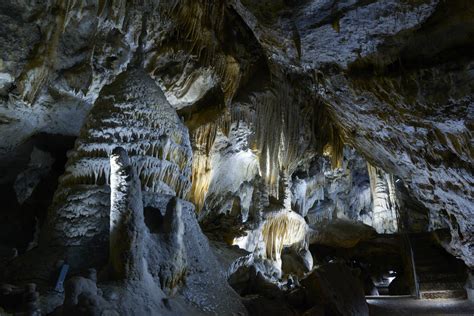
point(402, 96)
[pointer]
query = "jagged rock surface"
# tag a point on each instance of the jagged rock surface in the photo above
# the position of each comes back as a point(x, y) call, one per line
point(400, 101)
point(304, 118)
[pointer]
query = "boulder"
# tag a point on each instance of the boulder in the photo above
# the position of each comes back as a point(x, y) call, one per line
point(335, 287)
point(296, 262)
point(341, 233)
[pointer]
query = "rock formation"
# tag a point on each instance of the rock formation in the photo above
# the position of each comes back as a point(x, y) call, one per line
point(190, 150)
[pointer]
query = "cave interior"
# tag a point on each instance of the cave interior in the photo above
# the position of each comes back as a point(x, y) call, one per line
point(197, 157)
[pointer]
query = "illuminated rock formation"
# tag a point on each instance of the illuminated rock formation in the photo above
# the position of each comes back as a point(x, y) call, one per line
point(127, 236)
point(282, 229)
point(385, 206)
point(133, 250)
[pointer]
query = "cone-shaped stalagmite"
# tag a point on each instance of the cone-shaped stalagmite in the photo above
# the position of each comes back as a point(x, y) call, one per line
point(126, 218)
point(131, 113)
point(173, 267)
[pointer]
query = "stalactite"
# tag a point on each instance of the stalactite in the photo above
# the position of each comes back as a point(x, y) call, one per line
point(228, 69)
point(277, 124)
point(284, 187)
point(385, 204)
point(37, 71)
point(306, 192)
point(203, 139)
point(197, 22)
point(327, 136)
point(280, 229)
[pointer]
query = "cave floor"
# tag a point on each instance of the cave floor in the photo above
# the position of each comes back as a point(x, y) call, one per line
point(411, 306)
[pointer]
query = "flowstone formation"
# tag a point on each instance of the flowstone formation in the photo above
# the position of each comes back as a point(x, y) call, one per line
point(265, 149)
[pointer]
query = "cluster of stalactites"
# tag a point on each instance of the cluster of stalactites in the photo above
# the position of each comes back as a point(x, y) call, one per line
point(198, 22)
point(279, 126)
point(280, 229)
point(202, 139)
point(38, 70)
point(277, 129)
point(384, 198)
point(327, 136)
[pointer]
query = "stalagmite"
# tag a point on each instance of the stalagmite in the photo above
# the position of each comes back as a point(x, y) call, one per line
point(126, 219)
point(131, 113)
point(173, 264)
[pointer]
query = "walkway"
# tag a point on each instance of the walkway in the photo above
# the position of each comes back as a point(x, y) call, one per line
point(408, 306)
